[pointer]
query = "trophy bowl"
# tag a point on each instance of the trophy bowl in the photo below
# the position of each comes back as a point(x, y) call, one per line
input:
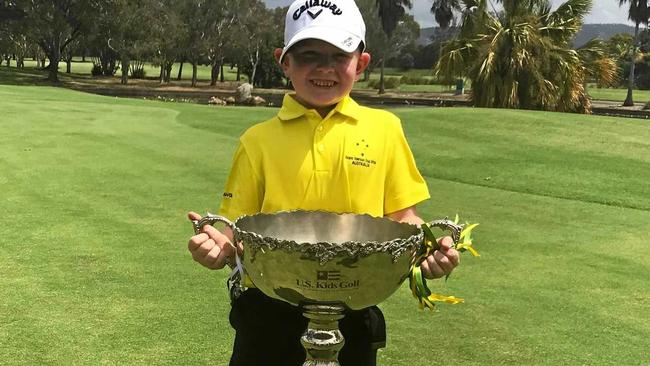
point(326, 263)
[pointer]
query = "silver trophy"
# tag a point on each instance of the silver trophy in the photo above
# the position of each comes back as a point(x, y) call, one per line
point(325, 263)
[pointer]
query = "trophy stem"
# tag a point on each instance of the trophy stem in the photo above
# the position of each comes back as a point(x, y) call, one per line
point(322, 340)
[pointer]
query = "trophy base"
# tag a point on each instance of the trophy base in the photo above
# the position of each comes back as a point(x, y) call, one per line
point(322, 340)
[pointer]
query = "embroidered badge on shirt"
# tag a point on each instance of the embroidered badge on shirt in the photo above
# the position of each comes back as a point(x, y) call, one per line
point(359, 154)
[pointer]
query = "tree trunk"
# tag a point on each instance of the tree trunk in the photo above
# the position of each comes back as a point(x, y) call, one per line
point(53, 67)
point(161, 75)
point(125, 70)
point(238, 73)
point(381, 77)
point(252, 80)
point(180, 71)
point(629, 101)
point(214, 73)
point(168, 71)
point(254, 65)
point(194, 70)
point(222, 77)
point(68, 65)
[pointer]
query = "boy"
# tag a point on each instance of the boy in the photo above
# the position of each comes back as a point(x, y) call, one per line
point(321, 152)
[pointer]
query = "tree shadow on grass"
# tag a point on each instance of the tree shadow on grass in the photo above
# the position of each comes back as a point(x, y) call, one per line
point(37, 77)
point(25, 76)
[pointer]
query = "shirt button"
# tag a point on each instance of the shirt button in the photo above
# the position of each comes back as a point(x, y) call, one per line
point(321, 147)
point(320, 128)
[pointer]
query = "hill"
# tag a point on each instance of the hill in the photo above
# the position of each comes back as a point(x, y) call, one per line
point(602, 31)
point(588, 31)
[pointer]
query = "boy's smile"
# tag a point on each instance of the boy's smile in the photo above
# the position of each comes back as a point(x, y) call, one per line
point(321, 73)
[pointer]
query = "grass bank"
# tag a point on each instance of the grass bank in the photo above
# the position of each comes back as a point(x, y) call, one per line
point(93, 240)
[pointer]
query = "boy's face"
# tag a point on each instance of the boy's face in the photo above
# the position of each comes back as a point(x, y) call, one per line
point(321, 73)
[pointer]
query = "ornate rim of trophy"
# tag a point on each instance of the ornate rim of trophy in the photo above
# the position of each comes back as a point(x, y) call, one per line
point(325, 263)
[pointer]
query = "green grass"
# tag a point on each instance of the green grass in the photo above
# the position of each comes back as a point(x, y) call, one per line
point(94, 267)
point(79, 68)
point(618, 94)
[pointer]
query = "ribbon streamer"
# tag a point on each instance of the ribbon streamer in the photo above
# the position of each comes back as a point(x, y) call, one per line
point(417, 282)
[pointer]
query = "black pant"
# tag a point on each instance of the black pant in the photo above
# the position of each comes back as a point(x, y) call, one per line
point(268, 331)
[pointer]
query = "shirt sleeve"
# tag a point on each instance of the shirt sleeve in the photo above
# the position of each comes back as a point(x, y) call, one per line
point(243, 193)
point(404, 185)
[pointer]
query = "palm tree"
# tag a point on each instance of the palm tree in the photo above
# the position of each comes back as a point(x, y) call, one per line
point(598, 65)
point(520, 57)
point(390, 13)
point(443, 11)
point(638, 13)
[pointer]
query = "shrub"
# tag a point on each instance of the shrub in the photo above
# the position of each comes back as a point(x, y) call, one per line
point(417, 80)
point(138, 73)
point(97, 70)
point(406, 61)
point(390, 82)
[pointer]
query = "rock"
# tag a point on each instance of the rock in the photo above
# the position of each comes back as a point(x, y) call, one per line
point(231, 100)
point(255, 101)
point(216, 101)
point(244, 92)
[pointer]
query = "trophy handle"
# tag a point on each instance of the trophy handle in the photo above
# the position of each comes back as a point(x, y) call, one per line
point(448, 225)
point(210, 219)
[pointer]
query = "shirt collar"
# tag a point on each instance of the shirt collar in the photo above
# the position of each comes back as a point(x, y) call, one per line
point(292, 109)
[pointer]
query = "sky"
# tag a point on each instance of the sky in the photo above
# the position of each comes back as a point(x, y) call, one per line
point(603, 11)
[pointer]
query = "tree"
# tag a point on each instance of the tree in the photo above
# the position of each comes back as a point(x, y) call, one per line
point(221, 36)
point(123, 32)
point(257, 29)
point(9, 11)
point(521, 57)
point(165, 37)
point(598, 65)
point(54, 24)
point(638, 13)
point(13, 40)
point(390, 13)
point(197, 17)
point(619, 47)
point(443, 11)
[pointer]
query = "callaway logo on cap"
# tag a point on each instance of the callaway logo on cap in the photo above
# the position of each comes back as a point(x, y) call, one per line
point(338, 22)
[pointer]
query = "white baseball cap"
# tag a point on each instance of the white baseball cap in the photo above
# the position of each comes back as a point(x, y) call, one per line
point(338, 22)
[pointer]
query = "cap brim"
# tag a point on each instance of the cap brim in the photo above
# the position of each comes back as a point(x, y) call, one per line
point(343, 40)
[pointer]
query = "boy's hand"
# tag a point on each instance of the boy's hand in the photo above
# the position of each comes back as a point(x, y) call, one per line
point(211, 248)
point(442, 261)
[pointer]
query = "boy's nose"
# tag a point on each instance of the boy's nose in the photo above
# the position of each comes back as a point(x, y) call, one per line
point(326, 62)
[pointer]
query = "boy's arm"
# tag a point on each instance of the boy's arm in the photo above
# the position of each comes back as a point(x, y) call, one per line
point(408, 214)
point(443, 260)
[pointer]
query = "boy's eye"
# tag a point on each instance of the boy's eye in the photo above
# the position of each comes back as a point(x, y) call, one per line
point(313, 57)
point(308, 57)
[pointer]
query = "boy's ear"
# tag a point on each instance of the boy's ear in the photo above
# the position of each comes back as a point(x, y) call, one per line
point(277, 53)
point(363, 62)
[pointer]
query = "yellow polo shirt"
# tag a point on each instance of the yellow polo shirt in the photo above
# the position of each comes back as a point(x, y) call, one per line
point(355, 160)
